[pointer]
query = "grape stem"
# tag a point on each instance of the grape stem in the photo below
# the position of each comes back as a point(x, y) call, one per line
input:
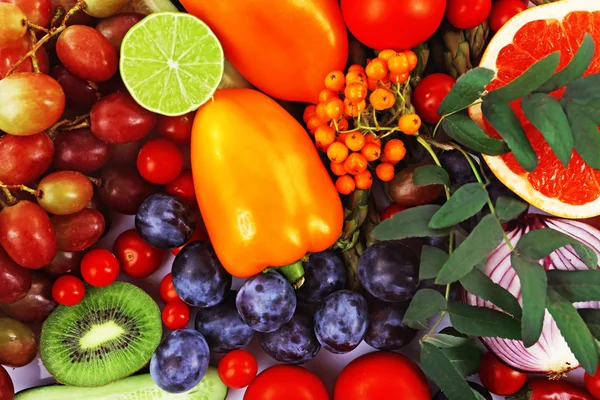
point(80, 5)
point(66, 125)
point(60, 11)
point(6, 188)
point(34, 60)
point(95, 181)
point(10, 199)
point(36, 27)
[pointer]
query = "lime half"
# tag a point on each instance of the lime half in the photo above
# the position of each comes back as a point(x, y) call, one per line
point(171, 63)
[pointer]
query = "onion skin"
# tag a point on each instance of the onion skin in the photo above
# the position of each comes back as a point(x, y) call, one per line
point(550, 355)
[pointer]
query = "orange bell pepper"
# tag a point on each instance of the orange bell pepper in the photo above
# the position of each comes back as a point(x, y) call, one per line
point(285, 48)
point(264, 194)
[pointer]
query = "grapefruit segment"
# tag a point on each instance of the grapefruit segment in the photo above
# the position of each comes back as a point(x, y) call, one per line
point(572, 192)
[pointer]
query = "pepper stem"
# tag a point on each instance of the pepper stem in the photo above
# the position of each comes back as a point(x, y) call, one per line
point(294, 273)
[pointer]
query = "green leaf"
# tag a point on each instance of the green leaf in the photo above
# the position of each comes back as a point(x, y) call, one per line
point(592, 320)
point(540, 243)
point(430, 175)
point(547, 115)
point(585, 134)
point(437, 366)
point(573, 328)
point(465, 358)
point(538, 74)
point(583, 89)
point(481, 285)
point(505, 122)
point(444, 340)
point(425, 304)
point(591, 109)
point(577, 67)
point(413, 222)
point(481, 321)
point(432, 260)
point(533, 291)
point(467, 201)
point(486, 236)
point(467, 89)
point(465, 131)
point(508, 208)
point(576, 286)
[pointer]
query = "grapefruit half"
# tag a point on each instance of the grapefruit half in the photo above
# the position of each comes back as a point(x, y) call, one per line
point(572, 192)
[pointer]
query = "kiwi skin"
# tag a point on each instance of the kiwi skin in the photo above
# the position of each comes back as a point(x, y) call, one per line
point(129, 308)
point(402, 191)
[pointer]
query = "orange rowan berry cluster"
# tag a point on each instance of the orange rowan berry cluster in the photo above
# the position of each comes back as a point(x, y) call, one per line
point(354, 149)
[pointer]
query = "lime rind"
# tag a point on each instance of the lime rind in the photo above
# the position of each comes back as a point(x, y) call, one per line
point(171, 63)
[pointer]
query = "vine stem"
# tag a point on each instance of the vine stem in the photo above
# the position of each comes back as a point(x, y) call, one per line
point(427, 147)
point(80, 5)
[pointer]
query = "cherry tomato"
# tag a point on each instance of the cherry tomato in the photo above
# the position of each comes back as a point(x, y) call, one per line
point(136, 257)
point(429, 94)
point(498, 377)
point(200, 234)
point(237, 369)
point(592, 383)
point(287, 382)
point(160, 161)
point(183, 187)
point(176, 315)
point(99, 267)
point(391, 211)
point(467, 14)
point(68, 290)
point(376, 375)
point(178, 129)
point(375, 22)
point(167, 290)
point(503, 10)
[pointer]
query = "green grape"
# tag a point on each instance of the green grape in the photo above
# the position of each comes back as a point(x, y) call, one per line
point(65, 192)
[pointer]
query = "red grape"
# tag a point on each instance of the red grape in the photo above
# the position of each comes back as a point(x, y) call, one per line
point(117, 118)
point(38, 12)
point(37, 304)
point(125, 153)
point(65, 262)
point(23, 159)
point(178, 129)
point(78, 231)
point(160, 161)
point(183, 187)
point(86, 53)
point(80, 94)
point(13, 51)
point(7, 389)
point(124, 190)
point(114, 28)
point(104, 8)
point(17, 343)
point(79, 18)
point(65, 192)
point(27, 235)
point(80, 151)
point(31, 103)
point(13, 23)
point(15, 279)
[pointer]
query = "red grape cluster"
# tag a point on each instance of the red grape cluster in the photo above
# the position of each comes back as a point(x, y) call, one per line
point(74, 146)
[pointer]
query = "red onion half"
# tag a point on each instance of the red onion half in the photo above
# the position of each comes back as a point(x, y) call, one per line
point(550, 354)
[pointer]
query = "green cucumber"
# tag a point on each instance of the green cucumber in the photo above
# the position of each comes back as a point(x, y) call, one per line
point(140, 387)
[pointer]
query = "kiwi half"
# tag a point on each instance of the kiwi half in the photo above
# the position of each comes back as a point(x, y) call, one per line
point(110, 335)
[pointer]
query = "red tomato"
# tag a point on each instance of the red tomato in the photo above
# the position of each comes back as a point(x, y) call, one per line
point(178, 129)
point(200, 234)
point(393, 24)
point(237, 369)
point(68, 290)
point(592, 383)
point(176, 315)
point(167, 290)
point(376, 375)
point(429, 94)
point(136, 257)
point(498, 377)
point(391, 211)
point(503, 10)
point(287, 382)
point(467, 14)
point(160, 161)
point(99, 267)
point(183, 187)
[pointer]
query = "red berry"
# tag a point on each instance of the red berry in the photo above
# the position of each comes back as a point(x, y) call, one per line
point(68, 290)
point(136, 257)
point(99, 267)
point(176, 315)
point(160, 161)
